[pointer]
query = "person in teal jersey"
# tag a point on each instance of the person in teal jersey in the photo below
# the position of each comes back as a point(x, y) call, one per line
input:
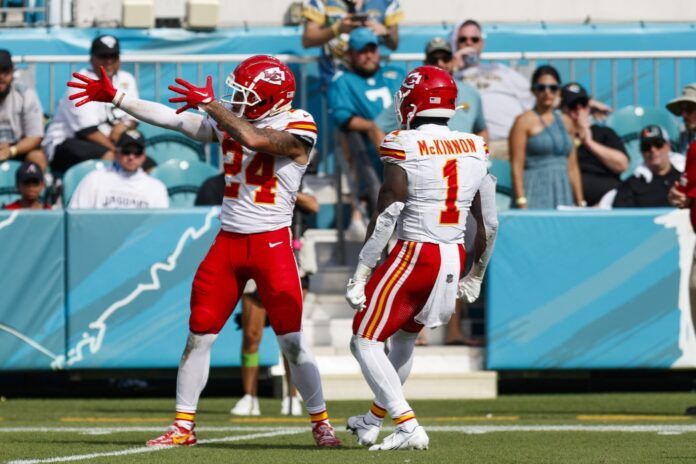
point(328, 24)
point(543, 158)
point(469, 116)
point(362, 100)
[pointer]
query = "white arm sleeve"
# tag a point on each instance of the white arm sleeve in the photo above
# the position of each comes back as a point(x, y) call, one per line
point(384, 227)
point(194, 125)
point(490, 222)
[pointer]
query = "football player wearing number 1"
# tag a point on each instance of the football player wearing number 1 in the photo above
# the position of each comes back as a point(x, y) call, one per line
point(432, 178)
point(266, 148)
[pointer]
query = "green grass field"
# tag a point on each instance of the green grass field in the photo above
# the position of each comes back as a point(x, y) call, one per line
point(616, 428)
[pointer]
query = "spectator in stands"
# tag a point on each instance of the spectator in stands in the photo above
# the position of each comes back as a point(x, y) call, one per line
point(651, 183)
point(30, 184)
point(685, 106)
point(78, 134)
point(601, 153)
point(124, 184)
point(469, 115)
point(21, 118)
point(328, 24)
point(361, 101)
point(543, 160)
point(504, 91)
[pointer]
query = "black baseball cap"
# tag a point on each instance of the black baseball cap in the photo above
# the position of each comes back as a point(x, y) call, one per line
point(573, 93)
point(654, 133)
point(5, 60)
point(131, 137)
point(28, 171)
point(105, 45)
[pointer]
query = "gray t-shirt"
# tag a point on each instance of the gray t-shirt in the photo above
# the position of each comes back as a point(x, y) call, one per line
point(21, 114)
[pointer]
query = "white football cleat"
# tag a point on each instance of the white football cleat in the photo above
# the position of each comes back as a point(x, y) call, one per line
point(366, 434)
point(291, 406)
point(403, 440)
point(247, 406)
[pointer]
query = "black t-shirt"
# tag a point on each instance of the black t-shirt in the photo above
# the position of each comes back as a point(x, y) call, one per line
point(597, 178)
point(212, 191)
point(636, 192)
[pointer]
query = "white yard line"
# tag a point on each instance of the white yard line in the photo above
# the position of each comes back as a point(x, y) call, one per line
point(105, 430)
point(467, 429)
point(146, 449)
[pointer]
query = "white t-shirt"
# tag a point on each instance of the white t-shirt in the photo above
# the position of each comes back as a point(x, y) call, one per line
point(116, 189)
point(70, 119)
point(260, 189)
point(445, 169)
point(505, 95)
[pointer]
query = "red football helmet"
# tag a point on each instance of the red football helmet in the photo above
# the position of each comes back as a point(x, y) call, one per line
point(427, 91)
point(260, 86)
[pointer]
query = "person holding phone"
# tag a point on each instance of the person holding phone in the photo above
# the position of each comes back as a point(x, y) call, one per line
point(328, 24)
point(504, 92)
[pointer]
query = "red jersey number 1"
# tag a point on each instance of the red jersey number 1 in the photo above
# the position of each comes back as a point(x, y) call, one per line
point(450, 215)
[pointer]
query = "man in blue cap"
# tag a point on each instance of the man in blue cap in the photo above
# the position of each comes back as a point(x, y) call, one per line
point(362, 99)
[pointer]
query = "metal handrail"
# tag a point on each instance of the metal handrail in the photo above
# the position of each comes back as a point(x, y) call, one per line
point(295, 59)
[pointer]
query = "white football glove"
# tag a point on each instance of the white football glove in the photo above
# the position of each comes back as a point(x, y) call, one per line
point(355, 291)
point(469, 288)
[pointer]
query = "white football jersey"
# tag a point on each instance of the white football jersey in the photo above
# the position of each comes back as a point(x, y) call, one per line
point(260, 189)
point(444, 170)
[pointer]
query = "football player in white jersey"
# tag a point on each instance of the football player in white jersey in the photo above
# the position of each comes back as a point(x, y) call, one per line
point(432, 177)
point(266, 147)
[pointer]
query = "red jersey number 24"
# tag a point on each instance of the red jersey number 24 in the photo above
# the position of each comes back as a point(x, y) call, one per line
point(259, 172)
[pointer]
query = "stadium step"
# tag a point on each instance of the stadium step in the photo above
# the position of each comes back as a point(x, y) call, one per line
point(438, 373)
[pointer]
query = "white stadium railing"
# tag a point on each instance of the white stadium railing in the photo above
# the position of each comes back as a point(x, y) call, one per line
point(527, 60)
point(657, 66)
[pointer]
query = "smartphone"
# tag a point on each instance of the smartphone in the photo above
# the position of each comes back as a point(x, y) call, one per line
point(361, 17)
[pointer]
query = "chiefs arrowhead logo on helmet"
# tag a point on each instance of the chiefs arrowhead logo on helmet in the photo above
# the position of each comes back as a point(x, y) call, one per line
point(412, 80)
point(273, 76)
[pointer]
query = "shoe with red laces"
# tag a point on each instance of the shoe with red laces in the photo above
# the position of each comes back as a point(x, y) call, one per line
point(175, 436)
point(325, 436)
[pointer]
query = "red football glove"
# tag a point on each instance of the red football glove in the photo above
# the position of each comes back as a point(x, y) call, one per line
point(100, 90)
point(193, 96)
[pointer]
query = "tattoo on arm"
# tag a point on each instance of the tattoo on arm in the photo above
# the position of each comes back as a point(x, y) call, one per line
point(271, 141)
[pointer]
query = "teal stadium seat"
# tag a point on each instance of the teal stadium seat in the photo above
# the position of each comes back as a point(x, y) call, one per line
point(627, 123)
point(75, 174)
point(8, 187)
point(183, 179)
point(501, 170)
point(164, 147)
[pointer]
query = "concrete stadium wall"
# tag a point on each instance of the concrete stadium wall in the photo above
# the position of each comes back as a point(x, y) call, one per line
point(271, 12)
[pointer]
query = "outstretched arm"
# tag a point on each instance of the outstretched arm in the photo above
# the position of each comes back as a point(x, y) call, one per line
point(101, 90)
point(271, 141)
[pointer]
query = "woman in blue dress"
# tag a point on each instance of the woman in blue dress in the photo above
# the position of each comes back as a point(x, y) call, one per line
point(543, 158)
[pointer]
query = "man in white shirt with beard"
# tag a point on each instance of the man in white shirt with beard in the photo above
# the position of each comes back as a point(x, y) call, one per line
point(78, 134)
point(124, 184)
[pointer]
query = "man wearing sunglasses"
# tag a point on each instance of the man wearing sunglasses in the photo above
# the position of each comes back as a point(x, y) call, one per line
point(601, 153)
point(504, 92)
point(469, 116)
point(124, 184)
point(650, 185)
point(685, 107)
